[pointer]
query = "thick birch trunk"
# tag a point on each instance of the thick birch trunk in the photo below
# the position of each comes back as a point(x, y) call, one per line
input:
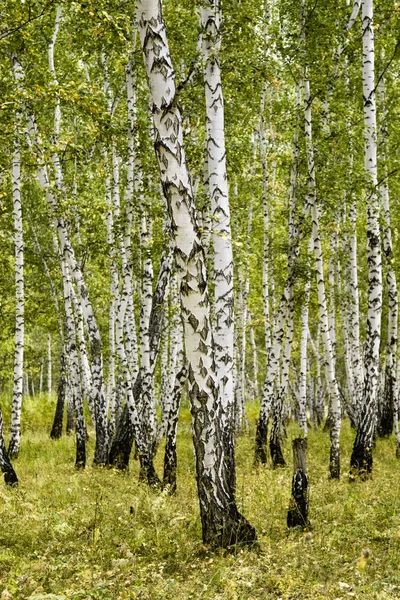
point(361, 459)
point(222, 523)
point(221, 226)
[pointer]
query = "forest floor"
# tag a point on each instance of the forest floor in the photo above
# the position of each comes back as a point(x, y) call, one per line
point(101, 535)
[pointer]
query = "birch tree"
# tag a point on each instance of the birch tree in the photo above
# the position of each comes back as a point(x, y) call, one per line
point(221, 226)
point(361, 458)
point(222, 523)
point(15, 433)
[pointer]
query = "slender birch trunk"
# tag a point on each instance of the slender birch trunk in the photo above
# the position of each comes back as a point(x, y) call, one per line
point(385, 424)
point(277, 421)
point(146, 404)
point(15, 432)
point(49, 364)
point(354, 314)
point(221, 227)
point(361, 459)
point(222, 523)
point(76, 393)
point(303, 355)
point(334, 464)
point(286, 307)
point(99, 403)
point(127, 427)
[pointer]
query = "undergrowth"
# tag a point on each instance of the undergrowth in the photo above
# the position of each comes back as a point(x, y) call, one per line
point(101, 535)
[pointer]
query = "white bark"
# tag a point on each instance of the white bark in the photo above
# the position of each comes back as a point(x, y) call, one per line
point(361, 460)
point(218, 189)
point(49, 364)
point(322, 300)
point(222, 523)
point(68, 252)
point(15, 431)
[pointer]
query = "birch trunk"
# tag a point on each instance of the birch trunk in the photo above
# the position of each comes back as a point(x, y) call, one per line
point(334, 464)
point(284, 312)
point(76, 394)
point(303, 359)
point(146, 404)
point(222, 523)
point(15, 432)
point(99, 403)
point(221, 226)
point(126, 429)
point(361, 459)
point(385, 424)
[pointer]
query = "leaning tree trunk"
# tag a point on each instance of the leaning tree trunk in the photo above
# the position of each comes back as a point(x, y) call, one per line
point(222, 524)
point(10, 476)
point(15, 433)
point(361, 458)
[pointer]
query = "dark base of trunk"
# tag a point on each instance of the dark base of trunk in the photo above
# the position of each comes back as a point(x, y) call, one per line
point(10, 476)
point(276, 454)
point(234, 531)
point(361, 461)
point(148, 473)
point(260, 455)
point(298, 507)
point(69, 428)
point(80, 461)
point(398, 451)
point(13, 450)
point(170, 464)
point(121, 446)
point(334, 467)
point(56, 430)
point(230, 458)
point(385, 426)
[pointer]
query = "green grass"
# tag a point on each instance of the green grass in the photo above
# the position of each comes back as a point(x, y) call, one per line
point(99, 534)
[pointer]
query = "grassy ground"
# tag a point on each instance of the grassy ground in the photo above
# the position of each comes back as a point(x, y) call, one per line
point(99, 534)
